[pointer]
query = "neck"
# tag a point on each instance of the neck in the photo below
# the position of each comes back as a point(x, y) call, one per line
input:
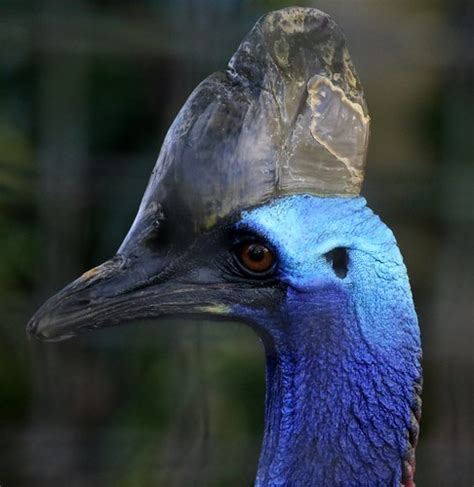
point(337, 413)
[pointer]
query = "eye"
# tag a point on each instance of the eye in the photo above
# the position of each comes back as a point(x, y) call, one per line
point(339, 259)
point(255, 257)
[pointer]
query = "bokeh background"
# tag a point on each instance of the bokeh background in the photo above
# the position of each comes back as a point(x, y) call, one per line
point(88, 89)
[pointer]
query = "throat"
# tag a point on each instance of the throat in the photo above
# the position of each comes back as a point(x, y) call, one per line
point(334, 415)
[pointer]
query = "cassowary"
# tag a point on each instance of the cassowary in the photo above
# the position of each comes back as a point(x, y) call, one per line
point(253, 213)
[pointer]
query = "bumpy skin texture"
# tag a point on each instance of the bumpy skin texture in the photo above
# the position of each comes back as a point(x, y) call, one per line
point(343, 353)
point(336, 318)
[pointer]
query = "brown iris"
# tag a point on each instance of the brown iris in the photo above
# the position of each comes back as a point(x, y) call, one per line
point(256, 257)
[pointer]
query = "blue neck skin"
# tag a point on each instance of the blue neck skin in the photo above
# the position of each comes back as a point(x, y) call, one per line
point(342, 352)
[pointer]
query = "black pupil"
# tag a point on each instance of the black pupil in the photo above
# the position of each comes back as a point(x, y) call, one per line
point(256, 252)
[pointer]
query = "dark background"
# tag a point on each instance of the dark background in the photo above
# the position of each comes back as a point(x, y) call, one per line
point(87, 92)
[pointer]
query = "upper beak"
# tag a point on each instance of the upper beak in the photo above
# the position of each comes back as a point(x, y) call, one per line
point(119, 290)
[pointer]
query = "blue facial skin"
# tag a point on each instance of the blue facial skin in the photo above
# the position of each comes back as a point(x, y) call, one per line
point(343, 353)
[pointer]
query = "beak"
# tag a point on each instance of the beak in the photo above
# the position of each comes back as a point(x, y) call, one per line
point(121, 289)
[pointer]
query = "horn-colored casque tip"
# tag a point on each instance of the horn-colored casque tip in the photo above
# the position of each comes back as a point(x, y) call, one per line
point(321, 115)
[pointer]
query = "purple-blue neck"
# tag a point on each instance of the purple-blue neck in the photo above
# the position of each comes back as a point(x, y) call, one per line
point(343, 352)
point(336, 412)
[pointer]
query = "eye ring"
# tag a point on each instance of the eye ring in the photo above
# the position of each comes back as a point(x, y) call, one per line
point(255, 258)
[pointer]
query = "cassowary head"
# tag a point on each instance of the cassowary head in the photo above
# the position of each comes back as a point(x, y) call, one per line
point(253, 213)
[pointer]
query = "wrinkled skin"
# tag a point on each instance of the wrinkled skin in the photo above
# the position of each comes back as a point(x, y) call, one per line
point(340, 334)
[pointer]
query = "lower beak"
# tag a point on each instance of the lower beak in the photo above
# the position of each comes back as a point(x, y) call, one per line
point(112, 293)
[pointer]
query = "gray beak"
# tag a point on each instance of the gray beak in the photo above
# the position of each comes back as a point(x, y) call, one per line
point(118, 291)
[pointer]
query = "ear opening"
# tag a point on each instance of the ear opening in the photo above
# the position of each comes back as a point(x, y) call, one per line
point(339, 260)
